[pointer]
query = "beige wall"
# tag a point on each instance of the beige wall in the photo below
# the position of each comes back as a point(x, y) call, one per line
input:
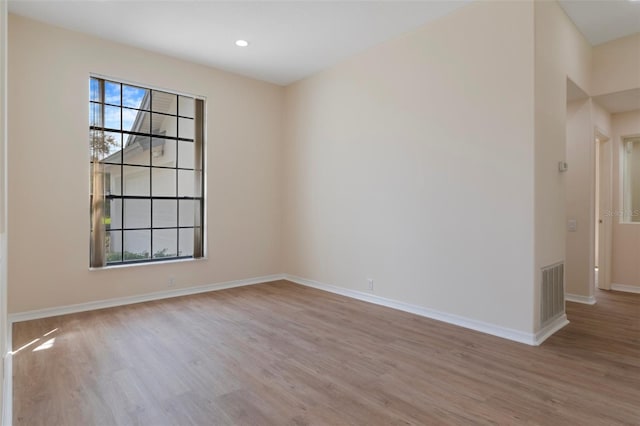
point(616, 68)
point(49, 180)
point(579, 190)
point(601, 119)
point(601, 125)
point(582, 119)
point(560, 52)
point(411, 164)
point(3, 167)
point(626, 236)
point(616, 65)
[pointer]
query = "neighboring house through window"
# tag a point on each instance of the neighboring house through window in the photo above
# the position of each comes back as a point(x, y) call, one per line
point(147, 167)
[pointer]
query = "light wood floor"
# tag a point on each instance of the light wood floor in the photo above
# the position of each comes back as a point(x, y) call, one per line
point(282, 354)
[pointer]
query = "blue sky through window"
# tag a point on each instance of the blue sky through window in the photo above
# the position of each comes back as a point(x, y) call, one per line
point(112, 93)
point(111, 117)
point(132, 96)
point(116, 94)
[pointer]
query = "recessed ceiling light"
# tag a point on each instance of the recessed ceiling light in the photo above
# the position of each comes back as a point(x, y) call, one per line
point(242, 43)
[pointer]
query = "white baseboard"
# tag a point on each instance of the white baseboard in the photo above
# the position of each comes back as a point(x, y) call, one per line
point(577, 298)
point(532, 339)
point(121, 301)
point(7, 390)
point(7, 382)
point(625, 287)
point(546, 332)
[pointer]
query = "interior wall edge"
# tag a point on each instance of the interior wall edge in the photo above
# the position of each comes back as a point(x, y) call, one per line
point(532, 339)
point(129, 300)
point(5, 330)
point(528, 338)
point(579, 298)
point(628, 288)
point(7, 387)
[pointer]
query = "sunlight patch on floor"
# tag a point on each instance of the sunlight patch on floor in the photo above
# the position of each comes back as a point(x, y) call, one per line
point(46, 345)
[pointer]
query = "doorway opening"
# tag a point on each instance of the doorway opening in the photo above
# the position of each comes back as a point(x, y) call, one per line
point(603, 214)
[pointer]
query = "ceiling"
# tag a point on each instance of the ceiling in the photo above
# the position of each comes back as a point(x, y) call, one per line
point(628, 100)
point(601, 21)
point(289, 40)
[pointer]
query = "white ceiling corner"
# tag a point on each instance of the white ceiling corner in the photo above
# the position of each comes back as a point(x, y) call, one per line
point(601, 21)
point(627, 100)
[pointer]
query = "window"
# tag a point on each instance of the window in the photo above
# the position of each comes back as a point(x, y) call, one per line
point(147, 168)
point(631, 180)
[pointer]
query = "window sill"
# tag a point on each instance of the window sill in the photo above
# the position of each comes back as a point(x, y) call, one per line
point(157, 262)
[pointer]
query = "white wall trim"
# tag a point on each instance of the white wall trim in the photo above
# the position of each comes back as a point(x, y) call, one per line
point(547, 331)
point(577, 298)
point(121, 301)
point(7, 389)
point(625, 287)
point(532, 339)
point(6, 416)
point(7, 382)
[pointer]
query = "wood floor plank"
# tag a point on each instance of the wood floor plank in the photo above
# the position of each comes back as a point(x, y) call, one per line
point(283, 354)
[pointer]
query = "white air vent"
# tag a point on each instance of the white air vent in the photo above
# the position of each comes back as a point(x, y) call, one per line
point(552, 293)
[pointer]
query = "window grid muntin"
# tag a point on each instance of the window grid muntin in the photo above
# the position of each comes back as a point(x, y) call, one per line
point(123, 133)
point(140, 109)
